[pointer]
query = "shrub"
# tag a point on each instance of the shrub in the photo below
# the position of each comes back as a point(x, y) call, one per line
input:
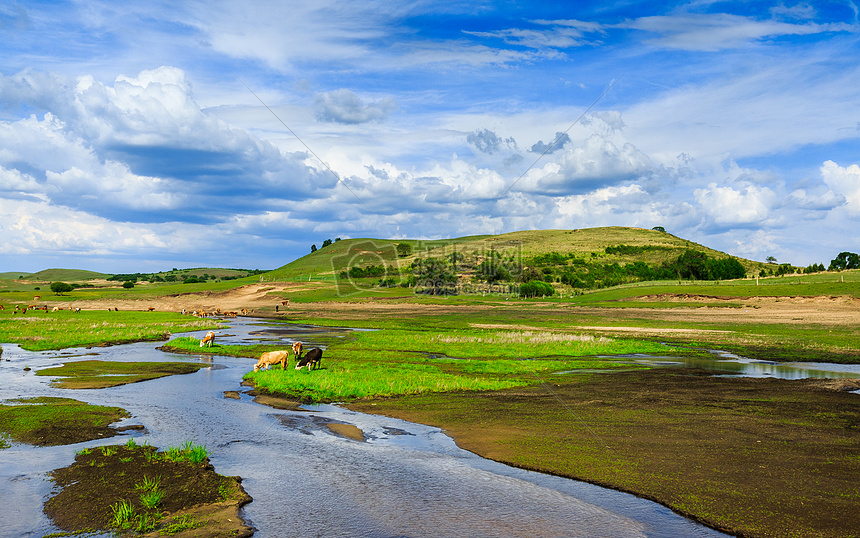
point(536, 288)
point(128, 284)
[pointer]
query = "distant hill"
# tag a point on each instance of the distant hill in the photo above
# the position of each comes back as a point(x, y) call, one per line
point(537, 248)
point(11, 275)
point(63, 275)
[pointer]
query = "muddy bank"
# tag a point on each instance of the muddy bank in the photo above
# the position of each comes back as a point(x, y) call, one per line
point(754, 457)
point(193, 500)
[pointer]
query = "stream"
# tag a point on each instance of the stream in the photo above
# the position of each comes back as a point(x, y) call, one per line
point(403, 480)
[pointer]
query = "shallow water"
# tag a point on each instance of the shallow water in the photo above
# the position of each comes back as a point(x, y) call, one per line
point(404, 479)
point(736, 365)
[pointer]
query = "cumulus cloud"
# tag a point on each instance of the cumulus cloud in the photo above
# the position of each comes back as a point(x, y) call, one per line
point(344, 106)
point(728, 207)
point(145, 145)
point(556, 144)
point(593, 164)
point(844, 181)
point(488, 142)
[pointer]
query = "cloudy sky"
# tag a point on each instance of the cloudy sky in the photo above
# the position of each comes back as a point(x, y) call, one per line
point(142, 136)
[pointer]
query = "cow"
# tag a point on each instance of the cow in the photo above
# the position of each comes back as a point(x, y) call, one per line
point(297, 350)
point(208, 339)
point(2, 307)
point(311, 360)
point(150, 309)
point(269, 358)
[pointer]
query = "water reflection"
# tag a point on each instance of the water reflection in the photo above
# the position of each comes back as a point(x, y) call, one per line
point(401, 479)
point(736, 365)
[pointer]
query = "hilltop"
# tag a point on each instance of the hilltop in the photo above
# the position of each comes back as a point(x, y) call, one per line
point(583, 258)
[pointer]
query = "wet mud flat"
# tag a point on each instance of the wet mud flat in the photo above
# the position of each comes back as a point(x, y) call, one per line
point(749, 456)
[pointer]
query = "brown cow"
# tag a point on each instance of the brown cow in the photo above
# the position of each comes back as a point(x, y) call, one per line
point(269, 358)
point(297, 350)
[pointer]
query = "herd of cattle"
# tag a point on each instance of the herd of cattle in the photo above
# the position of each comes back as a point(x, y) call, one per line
point(312, 359)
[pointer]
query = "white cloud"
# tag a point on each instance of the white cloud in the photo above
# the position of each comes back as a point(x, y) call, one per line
point(344, 106)
point(727, 206)
point(845, 181)
point(719, 31)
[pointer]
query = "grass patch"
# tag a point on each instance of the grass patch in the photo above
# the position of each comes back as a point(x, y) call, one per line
point(95, 374)
point(49, 421)
point(136, 488)
point(397, 361)
point(38, 331)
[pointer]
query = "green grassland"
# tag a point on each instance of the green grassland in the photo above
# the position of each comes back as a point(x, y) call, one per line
point(39, 330)
point(28, 420)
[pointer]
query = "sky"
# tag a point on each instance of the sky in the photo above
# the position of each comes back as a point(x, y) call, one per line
point(146, 136)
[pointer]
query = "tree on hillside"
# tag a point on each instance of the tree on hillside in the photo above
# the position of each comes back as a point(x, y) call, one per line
point(845, 260)
point(60, 288)
point(659, 229)
point(313, 248)
point(770, 259)
point(434, 276)
point(403, 249)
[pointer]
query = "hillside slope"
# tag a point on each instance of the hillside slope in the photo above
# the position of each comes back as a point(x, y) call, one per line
point(648, 246)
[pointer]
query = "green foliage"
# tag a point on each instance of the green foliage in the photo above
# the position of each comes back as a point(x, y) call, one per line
point(845, 260)
point(128, 284)
point(536, 288)
point(151, 498)
point(433, 276)
point(188, 452)
point(60, 288)
point(403, 249)
point(123, 514)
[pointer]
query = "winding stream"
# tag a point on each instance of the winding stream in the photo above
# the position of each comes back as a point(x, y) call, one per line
point(403, 480)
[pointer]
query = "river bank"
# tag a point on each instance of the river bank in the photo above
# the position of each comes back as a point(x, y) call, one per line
point(751, 457)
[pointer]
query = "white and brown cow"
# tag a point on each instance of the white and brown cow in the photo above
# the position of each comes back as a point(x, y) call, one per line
point(208, 340)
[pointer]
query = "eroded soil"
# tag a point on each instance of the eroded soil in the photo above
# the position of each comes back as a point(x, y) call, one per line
point(88, 488)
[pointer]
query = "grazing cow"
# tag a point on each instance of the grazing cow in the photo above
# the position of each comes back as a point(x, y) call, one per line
point(55, 309)
point(311, 360)
point(244, 311)
point(2, 307)
point(269, 358)
point(286, 303)
point(208, 339)
point(150, 309)
point(77, 309)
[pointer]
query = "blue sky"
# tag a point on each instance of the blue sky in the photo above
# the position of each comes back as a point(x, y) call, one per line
point(134, 137)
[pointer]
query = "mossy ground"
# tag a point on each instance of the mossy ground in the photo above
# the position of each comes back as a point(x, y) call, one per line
point(756, 457)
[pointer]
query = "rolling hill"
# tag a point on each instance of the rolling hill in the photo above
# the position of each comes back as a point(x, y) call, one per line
point(536, 248)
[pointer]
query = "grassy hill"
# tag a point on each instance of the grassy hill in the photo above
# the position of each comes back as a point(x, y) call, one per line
point(63, 275)
point(531, 247)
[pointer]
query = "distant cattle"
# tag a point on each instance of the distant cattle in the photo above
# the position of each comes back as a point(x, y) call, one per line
point(311, 360)
point(269, 358)
point(208, 339)
point(150, 309)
